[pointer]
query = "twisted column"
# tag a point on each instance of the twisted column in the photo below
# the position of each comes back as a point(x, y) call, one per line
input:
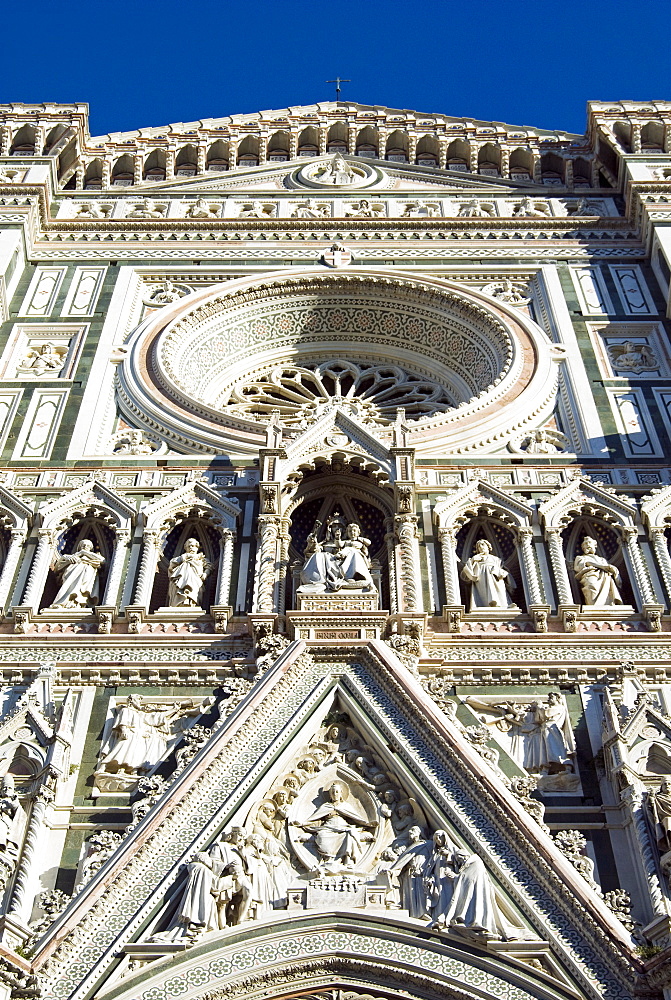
point(14, 552)
point(40, 568)
point(448, 548)
point(390, 542)
point(116, 568)
point(223, 595)
point(283, 566)
point(266, 563)
point(661, 548)
point(637, 562)
point(21, 903)
point(529, 565)
point(558, 562)
point(145, 580)
point(406, 529)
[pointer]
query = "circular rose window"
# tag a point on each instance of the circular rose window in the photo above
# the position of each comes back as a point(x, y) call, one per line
point(208, 371)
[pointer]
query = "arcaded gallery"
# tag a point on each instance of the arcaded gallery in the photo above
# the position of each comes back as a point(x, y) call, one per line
point(335, 580)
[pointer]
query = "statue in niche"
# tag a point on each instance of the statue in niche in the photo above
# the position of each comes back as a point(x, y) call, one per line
point(364, 210)
point(147, 209)
point(12, 825)
point(339, 828)
point(476, 210)
point(582, 209)
point(659, 805)
point(311, 209)
point(337, 563)
point(45, 360)
point(93, 210)
point(140, 733)
point(186, 576)
point(203, 209)
point(488, 578)
point(530, 209)
point(598, 579)
point(80, 582)
point(257, 210)
point(420, 210)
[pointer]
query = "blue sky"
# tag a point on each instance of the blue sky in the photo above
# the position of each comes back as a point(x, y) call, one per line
point(153, 62)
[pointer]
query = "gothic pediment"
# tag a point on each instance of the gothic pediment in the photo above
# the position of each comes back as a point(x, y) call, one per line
point(339, 432)
point(387, 744)
point(94, 496)
point(583, 495)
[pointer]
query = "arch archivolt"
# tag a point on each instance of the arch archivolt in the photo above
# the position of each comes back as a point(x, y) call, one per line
point(379, 961)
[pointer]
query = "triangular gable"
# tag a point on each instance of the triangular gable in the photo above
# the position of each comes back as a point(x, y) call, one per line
point(357, 440)
point(456, 785)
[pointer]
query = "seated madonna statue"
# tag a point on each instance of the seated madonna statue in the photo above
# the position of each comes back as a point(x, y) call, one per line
point(339, 562)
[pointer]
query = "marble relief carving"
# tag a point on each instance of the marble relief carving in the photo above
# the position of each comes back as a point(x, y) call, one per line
point(335, 829)
point(337, 562)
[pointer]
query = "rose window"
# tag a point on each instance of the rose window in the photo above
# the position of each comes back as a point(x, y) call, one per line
point(371, 392)
point(207, 372)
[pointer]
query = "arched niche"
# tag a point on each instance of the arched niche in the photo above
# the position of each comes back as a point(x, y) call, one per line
point(186, 162)
point(397, 146)
point(334, 487)
point(53, 138)
point(501, 537)
point(521, 164)
point(609, 547)
point(93, 177)
point(308, 141)
point(123, 171)
point(652, 137)
point(337, 139)
point(87, 527)
point(217, 156)
point(206, 533)
point(367, 142)
point(248, 151)
point(279, 145)
point(24, 141)
point(24, 760)
point(154, 166)
point(489, 159)
point(459, 155)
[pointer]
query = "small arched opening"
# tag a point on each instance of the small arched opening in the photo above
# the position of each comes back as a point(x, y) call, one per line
point(397, 147)
point(489, 160)
point(24, 142)
point(248, 152)
point(308, 142)
point(123, 171)
point(186, 162)
point(552, 170)
point(459, 155)
point(93, 177)
point(367, 142)
point(278, 147)
point(217, 156)
point(154, 166)
point(428, 151)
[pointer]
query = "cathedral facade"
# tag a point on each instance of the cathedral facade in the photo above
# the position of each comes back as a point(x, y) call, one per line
point(335, 578)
